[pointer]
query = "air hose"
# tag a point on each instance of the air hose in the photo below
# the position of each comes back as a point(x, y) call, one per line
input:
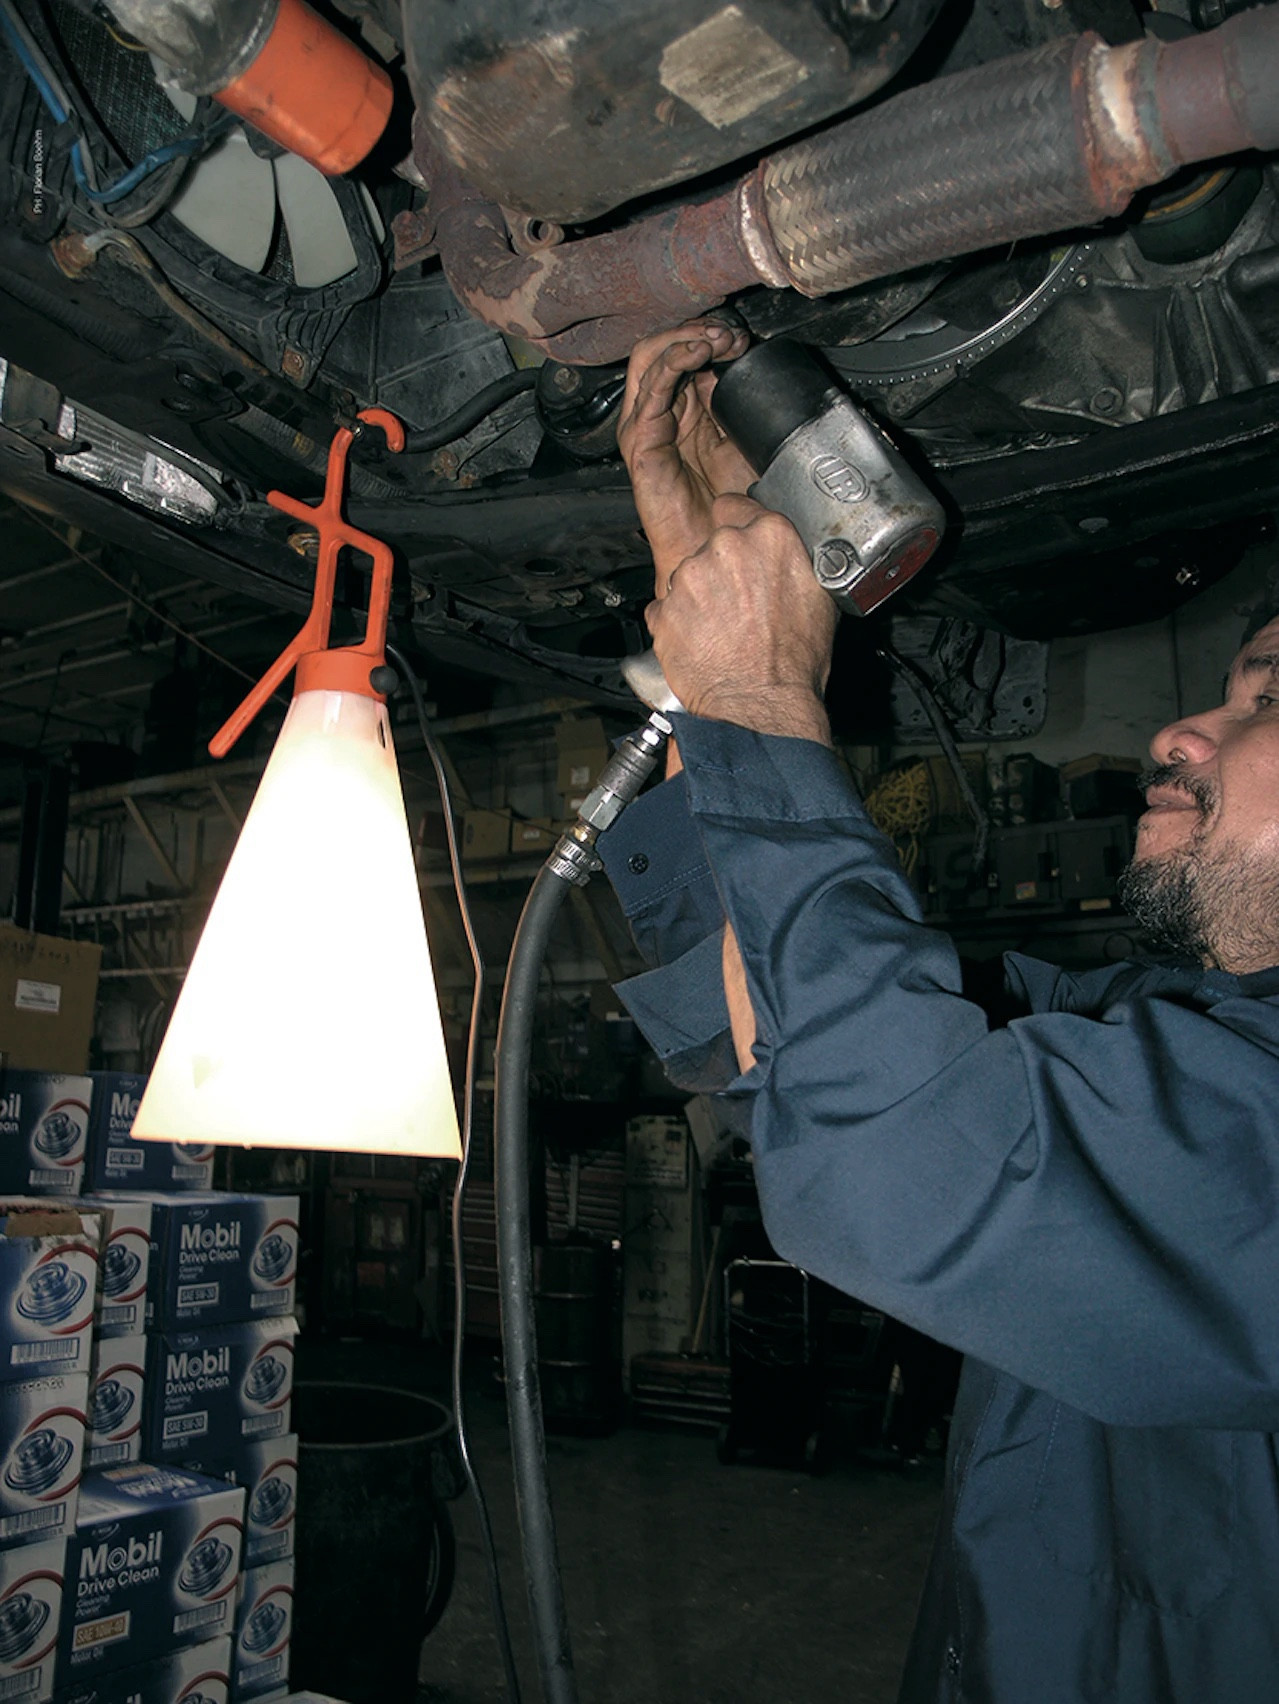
point(572, 864)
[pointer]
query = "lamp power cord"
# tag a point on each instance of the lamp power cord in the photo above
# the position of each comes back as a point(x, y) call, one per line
point(492, 1574)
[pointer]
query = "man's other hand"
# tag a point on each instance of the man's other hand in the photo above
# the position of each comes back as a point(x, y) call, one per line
point(678, 458)
point(742, 629)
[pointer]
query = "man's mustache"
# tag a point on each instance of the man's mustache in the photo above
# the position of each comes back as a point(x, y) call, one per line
point(1200, 789)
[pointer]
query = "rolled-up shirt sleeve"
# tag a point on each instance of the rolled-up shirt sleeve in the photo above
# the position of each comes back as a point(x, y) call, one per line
point(654, 858)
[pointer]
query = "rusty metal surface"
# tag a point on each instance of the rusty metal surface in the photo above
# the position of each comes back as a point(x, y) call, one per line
point(1218, 93)
point(1028, 146)
point(571, 108)
point(1114, 97)
point(985, 156)
point(587, 301)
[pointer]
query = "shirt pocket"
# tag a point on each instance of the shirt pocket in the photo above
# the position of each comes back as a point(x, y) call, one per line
point(1149, 1511)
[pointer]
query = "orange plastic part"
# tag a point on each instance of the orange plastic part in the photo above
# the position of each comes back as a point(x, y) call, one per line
point(348, 668)
point(313, 91)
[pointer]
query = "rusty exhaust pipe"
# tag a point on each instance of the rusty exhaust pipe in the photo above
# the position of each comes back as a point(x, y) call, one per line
point(1028, 146)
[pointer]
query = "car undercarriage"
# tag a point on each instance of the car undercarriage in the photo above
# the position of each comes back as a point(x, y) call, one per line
point(1096, 402)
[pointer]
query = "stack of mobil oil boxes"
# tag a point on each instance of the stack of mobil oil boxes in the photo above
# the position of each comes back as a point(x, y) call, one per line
point(148, 1473)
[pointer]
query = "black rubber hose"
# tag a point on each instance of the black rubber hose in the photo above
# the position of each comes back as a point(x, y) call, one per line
point(297, 447)
point(921, 686)
point(119, 342)
point(515, 1286)
point(987, 155)
point(457, 424)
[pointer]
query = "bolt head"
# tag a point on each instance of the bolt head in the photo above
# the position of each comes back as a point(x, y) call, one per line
point(834, 560)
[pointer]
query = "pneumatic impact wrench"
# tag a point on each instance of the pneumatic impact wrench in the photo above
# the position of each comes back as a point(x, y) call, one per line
point(867, 520)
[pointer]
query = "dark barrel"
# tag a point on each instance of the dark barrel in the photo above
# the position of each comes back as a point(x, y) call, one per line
point(374, 1544)
point(577, 1353)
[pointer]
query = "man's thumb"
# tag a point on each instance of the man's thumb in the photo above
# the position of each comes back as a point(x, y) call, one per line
point(734, 509)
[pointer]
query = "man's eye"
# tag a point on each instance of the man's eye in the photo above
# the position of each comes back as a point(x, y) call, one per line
point(1264, 700)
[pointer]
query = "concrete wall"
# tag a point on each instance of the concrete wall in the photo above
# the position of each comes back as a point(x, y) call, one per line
point(1110, 692)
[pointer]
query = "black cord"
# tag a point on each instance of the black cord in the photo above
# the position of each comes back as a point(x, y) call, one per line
point(515, 1280)
point(919, 684)
point(457, 424)
point(407, 675)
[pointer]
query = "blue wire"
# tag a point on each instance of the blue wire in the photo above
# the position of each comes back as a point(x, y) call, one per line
point(184, 145)
point(192, 143)
point(32, 70)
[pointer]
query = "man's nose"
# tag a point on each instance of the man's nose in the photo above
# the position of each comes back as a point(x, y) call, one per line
point(1192, 739)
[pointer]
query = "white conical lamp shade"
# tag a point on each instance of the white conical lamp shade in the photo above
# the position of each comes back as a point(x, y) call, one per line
point(309, 1018)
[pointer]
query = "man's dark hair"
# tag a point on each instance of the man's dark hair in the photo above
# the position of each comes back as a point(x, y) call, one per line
point(1262, 614)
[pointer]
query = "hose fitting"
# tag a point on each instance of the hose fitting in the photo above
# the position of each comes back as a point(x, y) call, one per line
point(574, 858)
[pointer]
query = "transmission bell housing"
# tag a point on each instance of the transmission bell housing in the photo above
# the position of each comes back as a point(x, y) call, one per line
point(866, 518)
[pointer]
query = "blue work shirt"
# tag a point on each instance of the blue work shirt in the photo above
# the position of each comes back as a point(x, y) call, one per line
point(1085, 1202)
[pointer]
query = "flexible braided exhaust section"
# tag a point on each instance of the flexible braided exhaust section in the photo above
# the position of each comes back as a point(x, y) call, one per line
point(1042, 142)
point(1031, 146)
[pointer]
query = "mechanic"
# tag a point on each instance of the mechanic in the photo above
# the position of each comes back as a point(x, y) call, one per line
point(1085, 1202)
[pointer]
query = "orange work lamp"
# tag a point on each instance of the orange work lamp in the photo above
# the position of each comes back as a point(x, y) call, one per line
point(309, 1017)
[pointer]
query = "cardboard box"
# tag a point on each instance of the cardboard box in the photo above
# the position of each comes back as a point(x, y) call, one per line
point(534, 835)
point(216, 1258)
point(41, 1457)
point(116, 1161)
point(48, 989)
point(48, 1286)
point(124, 1268)
point(583, 750)
point(263, 1625)
point(44, 1125)
point(268, 1471)
point(180, 1677)
point(153, 1566)
point(485, 834)
point(31, 1594)
point(117, 1398)
point(210, 1392)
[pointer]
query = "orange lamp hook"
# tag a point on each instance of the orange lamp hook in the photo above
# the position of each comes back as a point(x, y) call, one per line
point(348, 668)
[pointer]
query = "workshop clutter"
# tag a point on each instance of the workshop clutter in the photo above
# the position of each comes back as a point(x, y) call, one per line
point(582, 748)
point(117, 1161)
point(1009, 832)
point(44, 1128)
point(215, 1390)
point(48, 987)
point(148, 1474)
point(42, 1441)
point(153, 1566)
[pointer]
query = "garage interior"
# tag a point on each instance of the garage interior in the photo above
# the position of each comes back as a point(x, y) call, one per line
point(745, 1465)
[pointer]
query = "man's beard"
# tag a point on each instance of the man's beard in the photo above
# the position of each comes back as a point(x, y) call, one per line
point(1215, 904)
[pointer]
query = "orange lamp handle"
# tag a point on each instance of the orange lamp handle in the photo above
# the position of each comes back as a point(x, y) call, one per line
point(348, 668)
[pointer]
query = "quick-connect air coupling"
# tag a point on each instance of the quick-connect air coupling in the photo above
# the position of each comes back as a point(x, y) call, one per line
point(574, 858)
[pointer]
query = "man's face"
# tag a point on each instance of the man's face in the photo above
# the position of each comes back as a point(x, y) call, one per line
point(1205, 873)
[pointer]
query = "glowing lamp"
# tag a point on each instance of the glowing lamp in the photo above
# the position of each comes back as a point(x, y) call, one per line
point(309, 1018)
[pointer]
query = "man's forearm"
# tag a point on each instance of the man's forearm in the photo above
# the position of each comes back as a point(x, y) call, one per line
point(793, 713)
point(799, 715)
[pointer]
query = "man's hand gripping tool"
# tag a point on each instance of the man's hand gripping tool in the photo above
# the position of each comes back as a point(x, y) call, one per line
point(867, 520)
